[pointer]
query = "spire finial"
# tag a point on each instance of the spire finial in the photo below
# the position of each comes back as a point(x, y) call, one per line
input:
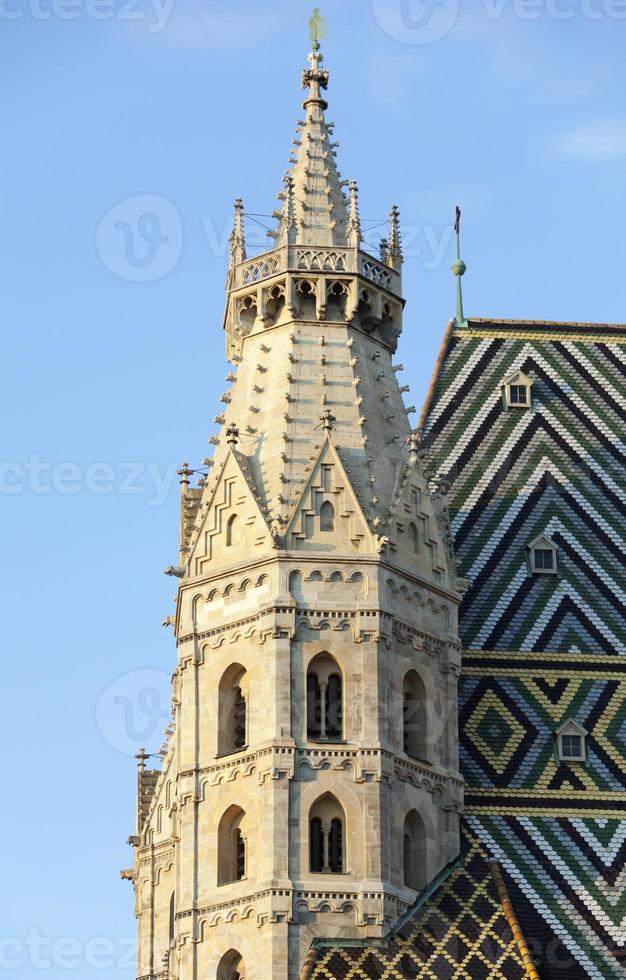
point(232, 435)
point(394, 254)
point(326, 420)
point(459, 269)
point(184, 473)
point(317, 29)
point(238, 235)
point(354, 235)
point(315, 77)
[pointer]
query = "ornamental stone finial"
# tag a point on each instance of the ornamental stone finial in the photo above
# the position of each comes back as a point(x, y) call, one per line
point(354, 235)
point(184, 473)
point(238, 235)
point(327, 418)
point(232, 435)
point(394, 254)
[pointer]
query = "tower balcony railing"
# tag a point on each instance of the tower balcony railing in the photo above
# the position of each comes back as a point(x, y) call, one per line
point(328, 259)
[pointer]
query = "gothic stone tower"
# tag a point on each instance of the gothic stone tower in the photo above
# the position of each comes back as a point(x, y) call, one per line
point(310, 786)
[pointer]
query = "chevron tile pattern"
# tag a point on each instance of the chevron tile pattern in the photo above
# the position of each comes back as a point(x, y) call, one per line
point(541, 649)
point(554, 469)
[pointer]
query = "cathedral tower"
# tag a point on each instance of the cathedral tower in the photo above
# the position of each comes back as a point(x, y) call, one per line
point(310, 788)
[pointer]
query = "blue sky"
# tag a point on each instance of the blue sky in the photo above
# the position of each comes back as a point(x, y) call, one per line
point(112, 342)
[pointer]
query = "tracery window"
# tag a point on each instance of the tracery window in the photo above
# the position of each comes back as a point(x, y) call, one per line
point(326, 836)
point(324, 698)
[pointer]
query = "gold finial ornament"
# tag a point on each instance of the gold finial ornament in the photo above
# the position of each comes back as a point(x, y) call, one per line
point(317, 28)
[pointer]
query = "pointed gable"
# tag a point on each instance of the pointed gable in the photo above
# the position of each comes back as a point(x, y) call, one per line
point(418, 530)
point(231, 526)
point(328, 515)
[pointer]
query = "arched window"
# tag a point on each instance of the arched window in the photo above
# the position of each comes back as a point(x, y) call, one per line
point(172, 929)
point(414, 716)
point(324, 690)
point(327, 516)
point(231, 966)
point(233, 710)
point(231, 846)
point(414, 852)
point(326, 836)
point(231, 530)
point(414, 538)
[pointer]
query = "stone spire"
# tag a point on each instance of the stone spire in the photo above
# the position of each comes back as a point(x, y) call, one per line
point(238, 236)
point(312, 325)
point(394, 254)
point(354, 235)
point(320, 206)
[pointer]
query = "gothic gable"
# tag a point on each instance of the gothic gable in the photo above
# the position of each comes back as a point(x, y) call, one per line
point(418, 529)
point(328, 516)
point(232, 527)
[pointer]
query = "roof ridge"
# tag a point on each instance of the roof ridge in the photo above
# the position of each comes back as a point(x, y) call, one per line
point(503, 321)
point(511, 918)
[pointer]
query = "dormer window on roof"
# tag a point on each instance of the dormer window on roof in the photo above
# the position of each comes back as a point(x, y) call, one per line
point(571, 742)
point(543, 556)
point(517, 390)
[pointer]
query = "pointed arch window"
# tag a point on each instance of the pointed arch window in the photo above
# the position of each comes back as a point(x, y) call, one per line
point(172, 919)
point(326, 836)
point(414, 716)
point(231, 966)
point(327, 516)
point(414, 538)
point(414, 851)
point(232, 527)
point(233, 710)
point(232, 846)
point(324, 685)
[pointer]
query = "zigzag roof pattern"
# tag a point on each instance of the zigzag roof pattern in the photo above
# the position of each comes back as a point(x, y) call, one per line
point(541, 649)
point(555, 469)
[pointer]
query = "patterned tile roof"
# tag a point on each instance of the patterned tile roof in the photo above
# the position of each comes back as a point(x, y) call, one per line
point(556, 469)
point(542, 649)
point(462, 933)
